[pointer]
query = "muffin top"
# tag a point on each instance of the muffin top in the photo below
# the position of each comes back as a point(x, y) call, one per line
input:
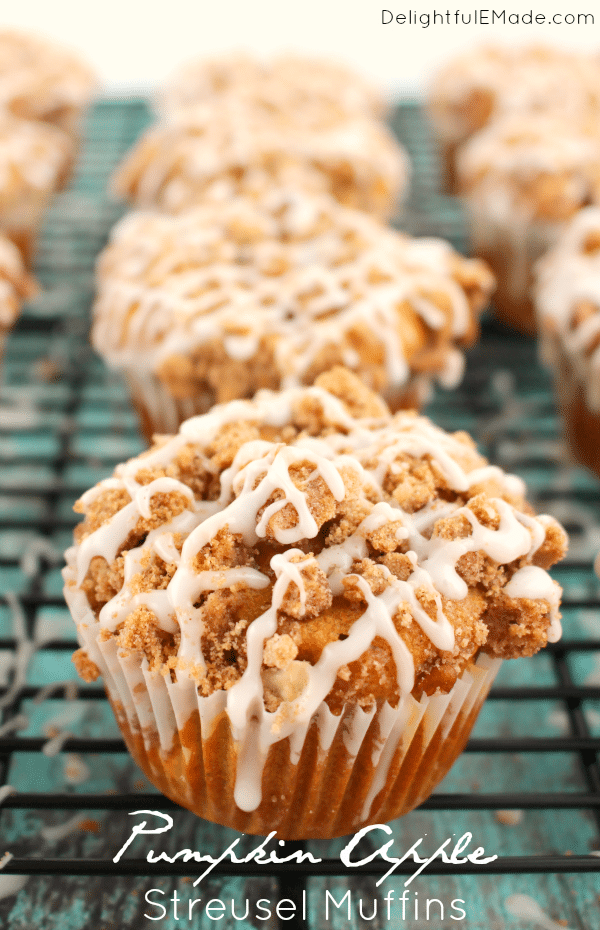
point(15, 283)
point(33, 157)
point(539, 166)
point(231, 145)
point(38, 77)
point(247, 294)
point(567, 300)
point(306, 546)
point(288, 83)
point(489, 81)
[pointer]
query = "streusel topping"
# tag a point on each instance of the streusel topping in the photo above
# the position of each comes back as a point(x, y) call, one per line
point(532, 167)
point(307, 546)
point(288, 83)
point(15, 283)
point(227, 299)
point(235, 145)
point(34, 157)
point(39, 78)
point(488, 82)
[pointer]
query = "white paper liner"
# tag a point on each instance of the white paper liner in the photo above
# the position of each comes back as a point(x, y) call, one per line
point(576, 398)
point(512, 245)
point(342, 772)
point(159, 411)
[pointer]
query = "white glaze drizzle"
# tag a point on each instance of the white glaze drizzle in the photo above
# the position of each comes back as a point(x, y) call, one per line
point(499, 165)
point(33, 159)
point(229, 143)
point(284, 83)
point(261, 468)
point(519, 79)
point(168, 285)
point(38, 76)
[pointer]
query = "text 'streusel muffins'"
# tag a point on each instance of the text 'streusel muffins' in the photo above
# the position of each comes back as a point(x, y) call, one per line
point(567, 300)
point(298, 604)
point(215, 303)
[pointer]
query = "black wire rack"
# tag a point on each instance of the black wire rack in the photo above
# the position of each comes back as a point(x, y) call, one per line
point(64, 424)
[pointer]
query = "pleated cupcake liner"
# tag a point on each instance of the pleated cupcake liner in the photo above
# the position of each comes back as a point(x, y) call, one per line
point(329, 777)
point(159, 412)
point(512, 251)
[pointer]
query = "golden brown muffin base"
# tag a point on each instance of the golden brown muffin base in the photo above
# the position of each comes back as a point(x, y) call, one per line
point(512, 263)
point(320, 797)
point(159, 412)
point(448, 152)
point(582, 425)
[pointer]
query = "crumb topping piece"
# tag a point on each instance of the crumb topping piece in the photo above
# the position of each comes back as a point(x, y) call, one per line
point(306, 566)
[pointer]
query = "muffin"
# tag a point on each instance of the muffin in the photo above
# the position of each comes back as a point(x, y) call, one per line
point(40, 80)
point(298, 604)
point(567, 300)
point(289, 84)
point(35, 160)
point(233, 145)
point(215, 303)
point(488, 82)
point(523, 178)
point(15, 286)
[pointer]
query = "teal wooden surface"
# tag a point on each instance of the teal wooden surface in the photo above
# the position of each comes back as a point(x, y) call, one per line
point(58, 436)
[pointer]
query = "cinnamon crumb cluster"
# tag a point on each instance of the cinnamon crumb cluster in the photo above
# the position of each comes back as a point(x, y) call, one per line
point(314, 513)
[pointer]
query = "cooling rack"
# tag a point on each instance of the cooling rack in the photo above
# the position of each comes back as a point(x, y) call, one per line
point(528, 785)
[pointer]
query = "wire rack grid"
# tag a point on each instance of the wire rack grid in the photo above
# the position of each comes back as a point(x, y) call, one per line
point(65, 422)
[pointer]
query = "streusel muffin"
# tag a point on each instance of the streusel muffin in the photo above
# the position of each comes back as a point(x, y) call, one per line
point(298, 604)
point(567, 299)
point(522, 178)
point(40, 80)
point(236, 145)
point(491, 81)
point(15, 286)
point(35, 160)
point(288, 84)
point(214, 303)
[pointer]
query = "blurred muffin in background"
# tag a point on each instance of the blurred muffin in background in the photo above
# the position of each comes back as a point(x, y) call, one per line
point(35, 161)
point(41, 80)
point(491, 81)
point(567, 300)
point(16, 285)
point(523, 177)
point(288, 84)
point(235, 145)
point(214, 303)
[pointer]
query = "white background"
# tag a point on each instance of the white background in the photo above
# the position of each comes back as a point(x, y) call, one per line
point(136, 43)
